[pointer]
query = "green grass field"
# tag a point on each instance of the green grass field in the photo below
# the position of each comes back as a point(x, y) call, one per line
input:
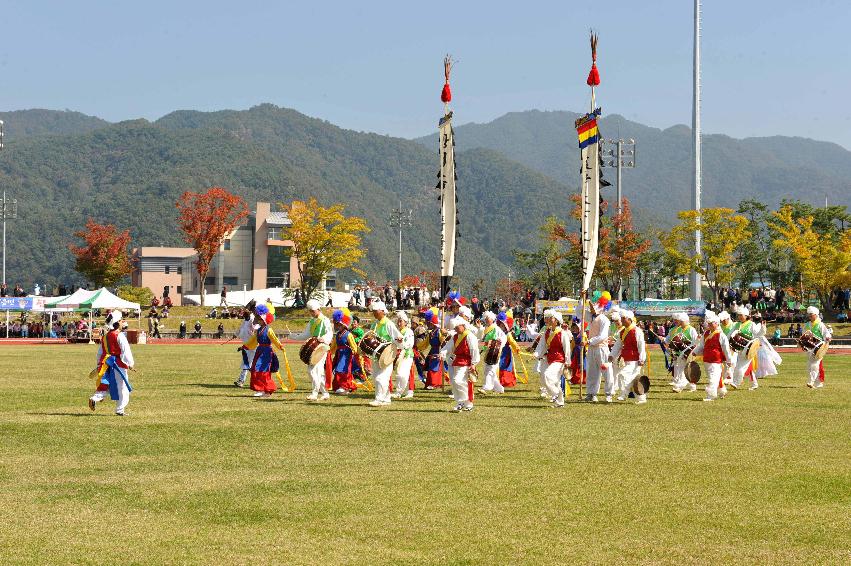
point(199, 473)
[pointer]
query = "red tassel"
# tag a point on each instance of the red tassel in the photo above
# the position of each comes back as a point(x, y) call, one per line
point(446, 95)
point(593, 76)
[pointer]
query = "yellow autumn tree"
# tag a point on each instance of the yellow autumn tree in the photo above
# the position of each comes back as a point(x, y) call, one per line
point(722, 232)
point(323, 239)
point(823, 258)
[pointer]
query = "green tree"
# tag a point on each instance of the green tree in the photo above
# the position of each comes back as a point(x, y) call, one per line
point(722, 233)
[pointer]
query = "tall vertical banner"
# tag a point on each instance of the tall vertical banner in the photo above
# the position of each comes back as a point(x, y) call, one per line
point(589, 145)
point(446, 186)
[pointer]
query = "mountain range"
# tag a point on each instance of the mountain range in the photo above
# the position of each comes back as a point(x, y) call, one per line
point(64, 167)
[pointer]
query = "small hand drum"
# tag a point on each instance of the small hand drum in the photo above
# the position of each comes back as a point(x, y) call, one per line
point(641, 385)
point(693, 372)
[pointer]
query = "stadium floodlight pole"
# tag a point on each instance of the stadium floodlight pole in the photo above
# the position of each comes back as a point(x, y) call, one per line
point(620, 154)
point(696, 279)
point(401, 219)
point(8, 210)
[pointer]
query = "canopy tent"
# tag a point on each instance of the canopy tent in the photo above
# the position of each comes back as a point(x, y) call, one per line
point(103, 299)
point(71, 301)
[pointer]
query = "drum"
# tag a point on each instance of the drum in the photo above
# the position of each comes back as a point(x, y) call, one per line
point(372, 346)
point(641, 385)
point(312, 351)
point(809, 342)
point(693, 372)
point(492, 355)
point(753, 350)
point(680, 346)
point(739, 341)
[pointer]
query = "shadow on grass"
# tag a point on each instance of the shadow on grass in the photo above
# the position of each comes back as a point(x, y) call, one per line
point(88, 414)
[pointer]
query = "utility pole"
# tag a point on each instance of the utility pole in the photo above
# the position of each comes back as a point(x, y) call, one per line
point(400, 219)
point(696, 279)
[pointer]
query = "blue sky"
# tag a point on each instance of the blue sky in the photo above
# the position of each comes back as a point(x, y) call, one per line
point(781, 67)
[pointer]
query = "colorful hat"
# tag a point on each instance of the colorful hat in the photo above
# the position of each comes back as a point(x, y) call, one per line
point(431, 316)
point(601, 301)
point(342, 316)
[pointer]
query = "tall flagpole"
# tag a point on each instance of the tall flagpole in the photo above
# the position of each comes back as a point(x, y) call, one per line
point(589, 142)
point(696, 279)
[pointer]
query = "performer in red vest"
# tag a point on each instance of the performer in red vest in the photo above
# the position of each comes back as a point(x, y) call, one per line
point(114, 359)
point(554, 351)
point(461, 352)
point(715, 347)
point(629, 346)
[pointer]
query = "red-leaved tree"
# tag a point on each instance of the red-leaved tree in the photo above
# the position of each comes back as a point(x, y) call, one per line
point(103, 258)
point(206, 218)
point(620, 245)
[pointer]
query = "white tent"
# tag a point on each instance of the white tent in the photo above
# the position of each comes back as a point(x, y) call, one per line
point(72, 301)
point(104, 300)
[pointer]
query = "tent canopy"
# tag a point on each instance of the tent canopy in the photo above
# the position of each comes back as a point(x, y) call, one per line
point(103, 299)
point(71, 301)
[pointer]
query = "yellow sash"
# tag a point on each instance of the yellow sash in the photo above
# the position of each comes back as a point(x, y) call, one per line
point(461, 338)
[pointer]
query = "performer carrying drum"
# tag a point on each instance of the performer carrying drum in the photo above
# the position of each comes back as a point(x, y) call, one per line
point(629, 346)
point(745, 339)
point(681, 342)
point(815, 353)
point(344, 350)
point(493, 339)
point(385, 333)
point(318, 327)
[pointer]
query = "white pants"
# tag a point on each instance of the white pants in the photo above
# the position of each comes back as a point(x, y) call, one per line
point(403, 375)
point(728, 370)
point(492, 379)
point(812, 367)
point(742, 363)
point(552, 378)
point(460, 391)
point(246, 367)
point(596, 358)
point(713, 376)
point(123, 396)
point(680, 381)
point(382, 382)
point(626, 375)
point(317, 377)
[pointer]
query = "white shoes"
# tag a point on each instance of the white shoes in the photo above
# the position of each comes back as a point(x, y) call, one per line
point(753, 386)
point(409, 395)
point(621, 398)
point(258, 394)
point(457, 408)
point(467, 407)
point(722, 392)
point(312, 397)
point(692, 387)
point(819, 384)
point(708, 398)
point(377, 403)
point(608, 398)
point(641, 400)
point(341, 391)
point(325, 396)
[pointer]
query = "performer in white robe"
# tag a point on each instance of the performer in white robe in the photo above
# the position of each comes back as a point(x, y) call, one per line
point(461, 353)
point(404, 357)
point(319, 326)
point(114, 360)
point(386, 332)
point(554, 352)
point(492, 334)
point(629, 346)
point(598, 354)
point(823, 332)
